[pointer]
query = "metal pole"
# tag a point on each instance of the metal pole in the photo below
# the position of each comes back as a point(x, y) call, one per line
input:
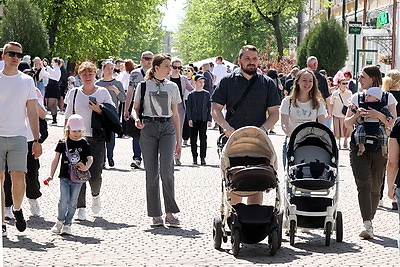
point(344, 14)
point(394, 29)
point(355, 40)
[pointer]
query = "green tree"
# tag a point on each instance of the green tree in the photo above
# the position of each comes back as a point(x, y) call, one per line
point(82, 29)
point(302, 52)
point(327, 41)
point(23, 23)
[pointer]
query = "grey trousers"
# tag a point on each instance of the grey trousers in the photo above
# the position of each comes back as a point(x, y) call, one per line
point(98, 151)
point(369, 171)
point(157, 141)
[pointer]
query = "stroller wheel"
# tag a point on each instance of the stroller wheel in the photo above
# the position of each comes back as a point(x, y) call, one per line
point(235, 239)
point(328, 232)
point(217, 232)
point(273, 242)
point(339, 227)
point(292, 231)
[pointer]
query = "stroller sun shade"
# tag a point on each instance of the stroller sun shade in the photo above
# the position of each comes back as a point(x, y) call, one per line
point(248, 141)
point(314, 134)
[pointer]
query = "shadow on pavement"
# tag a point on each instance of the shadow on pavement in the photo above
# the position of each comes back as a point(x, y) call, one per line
point(116, 169)
point(40, 223)
point(187, 233)
point(87, 240)
point(384, 241)
point(104, 224)
point(28, 244)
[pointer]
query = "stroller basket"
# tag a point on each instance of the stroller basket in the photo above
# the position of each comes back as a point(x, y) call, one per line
point(311, 204)
point(253, 214)
point(254, 178)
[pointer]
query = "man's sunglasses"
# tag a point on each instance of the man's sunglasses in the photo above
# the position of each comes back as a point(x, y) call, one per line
point(177, 67)
point(13, 54)
point(345, 83)
point(148, 58)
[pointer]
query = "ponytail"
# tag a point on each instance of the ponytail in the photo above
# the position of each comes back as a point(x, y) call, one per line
point(149, 74)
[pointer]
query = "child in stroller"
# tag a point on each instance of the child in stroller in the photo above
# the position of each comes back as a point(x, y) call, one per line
point(248, 166)
point(371, 131)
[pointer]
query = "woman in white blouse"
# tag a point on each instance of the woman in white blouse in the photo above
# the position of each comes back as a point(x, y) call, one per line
point(53, 73)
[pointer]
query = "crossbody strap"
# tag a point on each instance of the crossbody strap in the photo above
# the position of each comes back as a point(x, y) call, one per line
point(341, 98)
point(73, 101)
point(142, 93)
point(232, 110)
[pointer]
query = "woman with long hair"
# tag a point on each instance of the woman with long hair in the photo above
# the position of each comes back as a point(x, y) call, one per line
point(160, 137)
point(368, 168)
point(304, 104)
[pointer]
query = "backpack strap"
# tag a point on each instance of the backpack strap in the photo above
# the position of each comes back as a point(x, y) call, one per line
point(385, 98)
point(142, 93)
point(73, 101)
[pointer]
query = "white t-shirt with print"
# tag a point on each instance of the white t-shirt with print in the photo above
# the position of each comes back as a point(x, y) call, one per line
point(303, 113)
point(158, 99)
point(82, 105)
point(15, 91)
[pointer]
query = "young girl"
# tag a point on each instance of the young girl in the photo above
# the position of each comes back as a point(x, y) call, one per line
point(304, 104)
point(79, 148)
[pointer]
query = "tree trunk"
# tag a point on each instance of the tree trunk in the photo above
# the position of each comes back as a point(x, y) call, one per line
point(278, 35)
point(53, 26)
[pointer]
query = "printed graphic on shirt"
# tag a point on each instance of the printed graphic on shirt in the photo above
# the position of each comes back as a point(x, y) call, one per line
point(159, 103)
point(75, 158)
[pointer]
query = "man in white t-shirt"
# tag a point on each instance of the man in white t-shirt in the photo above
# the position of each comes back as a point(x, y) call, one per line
point(219, 70)
point(17, 98)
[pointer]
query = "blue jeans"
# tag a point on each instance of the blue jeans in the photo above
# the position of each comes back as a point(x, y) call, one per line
point(137, 152)
point(284, 152)
point(69, 192)
point(110, 147)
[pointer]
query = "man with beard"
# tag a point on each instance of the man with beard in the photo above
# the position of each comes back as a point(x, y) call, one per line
point(252, 106)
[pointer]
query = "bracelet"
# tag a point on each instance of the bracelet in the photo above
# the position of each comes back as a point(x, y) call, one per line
point(36, 140)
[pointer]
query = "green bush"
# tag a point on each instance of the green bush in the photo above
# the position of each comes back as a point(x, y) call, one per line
point(327, 42)
point(23, 23)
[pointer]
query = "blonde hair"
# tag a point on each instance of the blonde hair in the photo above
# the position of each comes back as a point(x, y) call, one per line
point(67, 133)
point(87, 66)
point(390, 80)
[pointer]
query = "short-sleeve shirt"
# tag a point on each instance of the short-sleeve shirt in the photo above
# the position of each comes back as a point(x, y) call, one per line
point(396, 134)
point(303, 113)
point(252, 110)
point(79, 150)
point(336, 100)
point(322, 85)
point(136, 77)
point(158, 98)
point(16, 90)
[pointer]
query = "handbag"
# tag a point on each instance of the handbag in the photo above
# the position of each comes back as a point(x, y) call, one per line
point(76, 175)
point(130, 128)
point(344, 108)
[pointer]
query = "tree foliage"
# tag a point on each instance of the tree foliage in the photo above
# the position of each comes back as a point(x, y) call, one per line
point(327, 42)
point(22, 22)
point(222, 27)
point(82, 29)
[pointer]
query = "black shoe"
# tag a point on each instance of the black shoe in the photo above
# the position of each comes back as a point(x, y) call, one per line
point(394, 206)
point(4, 233)
point(111, 162)
point(20, 222)
point(272, 132)
point(194, 161)
point(203, 162)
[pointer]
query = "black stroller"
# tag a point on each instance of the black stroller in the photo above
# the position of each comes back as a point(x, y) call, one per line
point(248, 165)
point(312, 182)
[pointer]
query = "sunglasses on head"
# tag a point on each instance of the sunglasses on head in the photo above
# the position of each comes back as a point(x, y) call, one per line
point(148, 58)
point(13, 54)
point(177, 67)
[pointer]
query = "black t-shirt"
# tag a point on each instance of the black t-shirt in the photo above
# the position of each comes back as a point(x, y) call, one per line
point(396, 134)
point(322, 85)
point(252, 110)
point(79, 151)
point(178, 82)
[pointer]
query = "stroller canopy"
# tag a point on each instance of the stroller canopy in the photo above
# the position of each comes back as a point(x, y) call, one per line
point(248, 141)
point(313, 133)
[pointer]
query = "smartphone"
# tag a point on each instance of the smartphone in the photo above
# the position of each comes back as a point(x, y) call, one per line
point(92, 99)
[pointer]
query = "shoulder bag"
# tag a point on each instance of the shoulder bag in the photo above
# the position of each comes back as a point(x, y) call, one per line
point(76, 175)
point(130, 127)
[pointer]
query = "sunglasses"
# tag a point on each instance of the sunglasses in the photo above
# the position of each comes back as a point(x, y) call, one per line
point(177, 67)
point(13, 54)
point(186, 70)
point(344, 83)
point(148, 58)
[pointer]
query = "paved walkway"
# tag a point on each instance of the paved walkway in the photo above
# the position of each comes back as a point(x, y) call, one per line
point(121, 235)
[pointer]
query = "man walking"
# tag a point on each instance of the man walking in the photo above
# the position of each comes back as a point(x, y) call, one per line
point(137, 76)
point(17, 98)
point(262, 97)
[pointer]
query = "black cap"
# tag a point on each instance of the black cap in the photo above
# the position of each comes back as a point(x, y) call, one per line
point(198, 77)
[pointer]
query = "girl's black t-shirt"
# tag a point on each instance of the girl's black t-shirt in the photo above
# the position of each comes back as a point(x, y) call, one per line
point(79, 151)
point(395, 133)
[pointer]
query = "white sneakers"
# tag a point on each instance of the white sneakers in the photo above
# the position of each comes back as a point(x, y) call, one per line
point(57, 227)
point(96, 205)
point(368, 233)
point(60, 228)
point(81, 215)
point(8, 213)
point(34, 206)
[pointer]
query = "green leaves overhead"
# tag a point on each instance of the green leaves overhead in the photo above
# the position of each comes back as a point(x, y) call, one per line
point(86, 29)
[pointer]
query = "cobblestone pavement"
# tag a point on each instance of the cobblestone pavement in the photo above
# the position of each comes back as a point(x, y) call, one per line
point(121, 235)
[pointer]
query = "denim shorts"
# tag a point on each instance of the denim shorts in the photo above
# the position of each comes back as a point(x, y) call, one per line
point(13, 151)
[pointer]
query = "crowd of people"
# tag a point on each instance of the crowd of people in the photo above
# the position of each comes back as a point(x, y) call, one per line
point(170, 103)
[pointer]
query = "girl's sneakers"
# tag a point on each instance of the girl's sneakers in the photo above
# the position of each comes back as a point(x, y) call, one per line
point(57, 227)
